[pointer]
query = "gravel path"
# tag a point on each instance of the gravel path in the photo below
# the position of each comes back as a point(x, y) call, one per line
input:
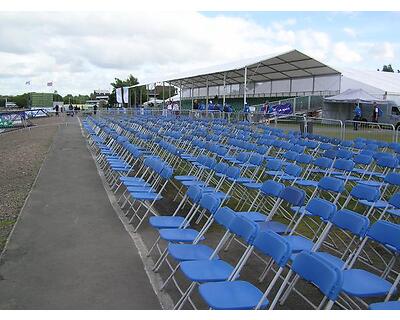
point(21, 155)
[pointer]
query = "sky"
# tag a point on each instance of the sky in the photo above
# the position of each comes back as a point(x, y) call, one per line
point(83, 51)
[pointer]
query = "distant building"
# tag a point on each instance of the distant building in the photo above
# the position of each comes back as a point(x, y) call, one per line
point(11, 105)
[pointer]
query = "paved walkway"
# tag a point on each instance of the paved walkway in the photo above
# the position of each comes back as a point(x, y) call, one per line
point(69, 250)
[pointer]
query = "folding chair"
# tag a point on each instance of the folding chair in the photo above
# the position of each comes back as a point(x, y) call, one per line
point(239, 294)
point(212, 270)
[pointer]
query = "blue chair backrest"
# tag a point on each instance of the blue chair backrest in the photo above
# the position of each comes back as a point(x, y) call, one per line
point(294, 196)
point(388, 162)
point(290, 155)
point(351, 221)
point(194, 193)
point(304, 158)
point(393, 178)
point(272, 188)
point(330, 153)
point(343, 164)
point(362, 159)
point(256, 159)
point(331, 184)
point(370, 146)
point(395, 200)
point(344, 154)
point(386, 233)
point(323, 162)
point(233, 172)
point(321, 208)
point(224, 216)
point(244, 228)
point(364, 192)
point(274, 164)
point(273, 245)
point(327, 277)
point(293, 170)
point(221, 168)
point(210, 203)
point(166, 172)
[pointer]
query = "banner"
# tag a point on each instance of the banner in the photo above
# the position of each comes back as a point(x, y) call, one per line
point(118, 93)
point(126, 95)
point(285, 108)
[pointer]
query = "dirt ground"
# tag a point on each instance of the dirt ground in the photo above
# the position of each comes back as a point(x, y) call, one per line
point(21, 155)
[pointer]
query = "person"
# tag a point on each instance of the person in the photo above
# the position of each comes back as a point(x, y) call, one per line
point(195, 105)
point(246, 111)
point(57, 108)
point(357, 116)
point(71, 110)
point(376, 113)
point(95, 109)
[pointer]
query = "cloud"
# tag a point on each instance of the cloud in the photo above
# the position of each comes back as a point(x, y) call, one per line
point(383, 51)
point(345, 54)
point(81, 51)
point(350, 32)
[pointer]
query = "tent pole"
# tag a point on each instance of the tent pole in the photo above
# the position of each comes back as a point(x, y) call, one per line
point(163, 94)
point(224, 87)
point(207, 95)
point(245, 87)
point(191, 95)
point(180, 96)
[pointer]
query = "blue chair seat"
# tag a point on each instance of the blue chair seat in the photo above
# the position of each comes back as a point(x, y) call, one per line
point(130, 179)
point(231, 295)
point(134, 189)
point(273, 172)
point(274, 226)
point(299, 243)
point(121, 169)
point(253, 216)
point(360, 283)
point(193, 183)
point(189, 252)
point(288, 177)
point(307, 183)
point(332, 259)
point(380, 204)
point(179, 235)
point(145, 196)
point(244, 180)
point(136, 184)
point(253, 185)
point(185, 178)
point(348, 178)
point(161, 222)
point(395, 212)
point(206, 270)
point(389, 305)
point(371, 183)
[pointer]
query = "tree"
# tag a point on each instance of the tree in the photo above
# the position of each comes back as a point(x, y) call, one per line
point(387, 68)
point(130, 81)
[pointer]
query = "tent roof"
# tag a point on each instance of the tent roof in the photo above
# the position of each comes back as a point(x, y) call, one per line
point(353, 96)
point(283, 66)
point(385, 81)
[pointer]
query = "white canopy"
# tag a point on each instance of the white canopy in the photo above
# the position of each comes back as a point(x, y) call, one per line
point(284, 66)
point(353, 96)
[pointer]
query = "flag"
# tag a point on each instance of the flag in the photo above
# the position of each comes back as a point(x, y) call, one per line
point(118, 93)
point(50, 84)
point(28, 82)
point(126, 94)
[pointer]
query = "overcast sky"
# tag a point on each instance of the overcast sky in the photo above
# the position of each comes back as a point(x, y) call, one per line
point(81, 52)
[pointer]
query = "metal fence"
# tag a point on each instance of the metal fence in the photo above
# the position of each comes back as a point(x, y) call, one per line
point(369, 130)
point(326, 127)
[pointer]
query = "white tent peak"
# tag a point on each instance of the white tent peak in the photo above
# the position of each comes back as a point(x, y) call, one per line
point(353, 96)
